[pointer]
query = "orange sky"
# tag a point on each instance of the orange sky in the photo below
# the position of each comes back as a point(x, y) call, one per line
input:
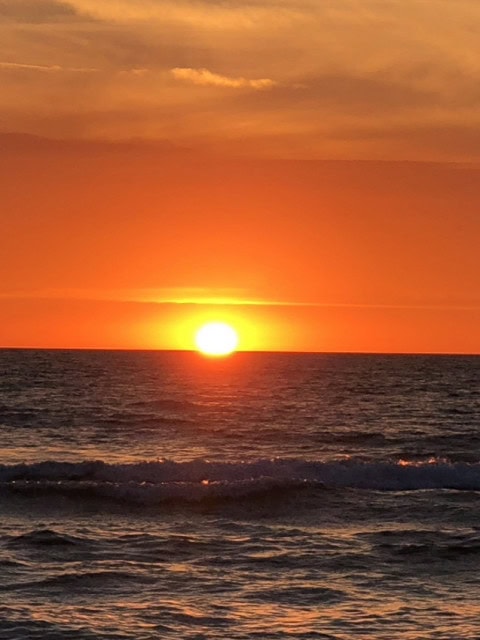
point(308, 170)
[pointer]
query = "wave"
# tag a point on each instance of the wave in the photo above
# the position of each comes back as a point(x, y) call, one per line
point(44, 538)
point(430, 544)
point(162, 480)
point(85, 581)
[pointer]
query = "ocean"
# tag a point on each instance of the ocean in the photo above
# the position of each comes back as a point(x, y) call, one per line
point(262, 496)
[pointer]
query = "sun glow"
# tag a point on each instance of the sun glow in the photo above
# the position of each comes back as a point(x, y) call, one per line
point(216, 339)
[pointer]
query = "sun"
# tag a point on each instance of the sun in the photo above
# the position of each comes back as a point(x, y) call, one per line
point(216, 339)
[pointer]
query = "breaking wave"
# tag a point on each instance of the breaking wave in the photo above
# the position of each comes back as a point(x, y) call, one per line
point(163, 480)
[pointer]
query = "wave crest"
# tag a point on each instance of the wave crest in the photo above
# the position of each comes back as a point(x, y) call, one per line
point(161, 480)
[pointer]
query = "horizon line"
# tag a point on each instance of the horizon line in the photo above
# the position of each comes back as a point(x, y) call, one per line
point(246, 352)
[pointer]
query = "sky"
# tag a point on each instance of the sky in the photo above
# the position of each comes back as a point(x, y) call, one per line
point(308, 170)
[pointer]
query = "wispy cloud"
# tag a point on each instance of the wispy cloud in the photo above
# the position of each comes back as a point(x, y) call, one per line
point(220, 298)
point(37, 11)
point(204, 77)
point(418, 73)
point(54, 68)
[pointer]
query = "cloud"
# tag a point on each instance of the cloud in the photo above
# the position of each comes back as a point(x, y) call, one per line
point(444, 141)
point(219, 73)
point(205, 14)
point(54, 68)
point(30, 67)
point(204, 77)
point(36, 11)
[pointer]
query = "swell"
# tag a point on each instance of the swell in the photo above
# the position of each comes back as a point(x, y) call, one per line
point(44, 538)
point(78, 581)
point(160, 480)
point(427, 544)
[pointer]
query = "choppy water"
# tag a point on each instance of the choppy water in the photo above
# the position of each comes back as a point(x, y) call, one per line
point(163, 495)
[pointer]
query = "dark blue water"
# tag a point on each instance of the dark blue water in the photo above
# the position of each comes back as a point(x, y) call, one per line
point(164, 495)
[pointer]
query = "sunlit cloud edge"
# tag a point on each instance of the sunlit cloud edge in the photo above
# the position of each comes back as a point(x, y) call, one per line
point(154, 297)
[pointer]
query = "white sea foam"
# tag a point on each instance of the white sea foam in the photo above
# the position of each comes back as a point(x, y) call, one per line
point(199, 479)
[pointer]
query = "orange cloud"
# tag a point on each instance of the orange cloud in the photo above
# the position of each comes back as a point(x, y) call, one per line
point(204, 77)
point(417, 75)
point(54, 68)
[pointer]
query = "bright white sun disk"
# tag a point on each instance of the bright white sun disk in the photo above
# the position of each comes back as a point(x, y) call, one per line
point(216, 339)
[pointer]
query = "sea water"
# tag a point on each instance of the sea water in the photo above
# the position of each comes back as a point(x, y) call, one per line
point(166, 495)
